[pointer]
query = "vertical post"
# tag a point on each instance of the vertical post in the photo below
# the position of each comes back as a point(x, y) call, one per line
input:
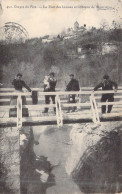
point(92, 108)
point(59, 112)
point(96, 110)
point(19, 111)
point(79, 97)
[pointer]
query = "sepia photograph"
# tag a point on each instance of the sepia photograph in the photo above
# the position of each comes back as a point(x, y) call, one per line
point(60, 97)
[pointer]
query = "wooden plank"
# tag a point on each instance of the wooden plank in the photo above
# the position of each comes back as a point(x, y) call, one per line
point(76, 104)
point(27, 98)
point(19, 112)
point(115, 106)
point(8, 120)
point(41, 89)
point(108, 92)
point(5, 100)
point(70, 117)
point(53, 118)
point(59, 112)
point(15, 94)
point(6, 89)
point(96, 110)
point(109, 103)
point(91, 88)
point(92, 109)
point(2, 108)
point(38, 107)
point(33, 89)
point(39, 119)
point(108, 115)
point(60, 93)
point(99, 97)
point(62, 100)
point(77, 116)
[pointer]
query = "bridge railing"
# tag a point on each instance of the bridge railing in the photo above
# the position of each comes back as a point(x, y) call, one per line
point(9, 90)
point(92, 104)
point(57, 89)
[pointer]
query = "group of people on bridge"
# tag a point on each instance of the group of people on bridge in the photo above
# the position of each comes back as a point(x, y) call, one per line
point(50, 82)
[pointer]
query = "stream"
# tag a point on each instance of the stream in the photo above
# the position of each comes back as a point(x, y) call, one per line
point(54, 144)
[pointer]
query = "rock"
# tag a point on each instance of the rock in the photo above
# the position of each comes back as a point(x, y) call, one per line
point(95, 162)
point(22, 139)
point(43, 175)
point(9, 159)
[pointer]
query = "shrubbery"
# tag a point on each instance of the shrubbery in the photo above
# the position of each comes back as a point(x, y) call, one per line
point(34, 59)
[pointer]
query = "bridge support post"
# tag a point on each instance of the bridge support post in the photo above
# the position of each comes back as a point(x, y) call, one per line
point(79, 97)
point(59, 112)
point(95, 116)
point(96, 110)
point(19, 111)
point(92, 109)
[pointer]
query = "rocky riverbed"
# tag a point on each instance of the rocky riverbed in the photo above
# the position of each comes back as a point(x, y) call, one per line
point(85, 157)
point(78, 158)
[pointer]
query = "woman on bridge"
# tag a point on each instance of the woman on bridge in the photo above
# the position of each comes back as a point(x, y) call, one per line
point(18, 84)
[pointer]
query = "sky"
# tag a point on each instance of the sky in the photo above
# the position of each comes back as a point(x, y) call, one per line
point(50, 21)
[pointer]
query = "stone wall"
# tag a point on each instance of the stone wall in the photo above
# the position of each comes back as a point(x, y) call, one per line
point(9, 160)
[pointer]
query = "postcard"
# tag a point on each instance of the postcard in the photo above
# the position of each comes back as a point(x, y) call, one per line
point(60, 96)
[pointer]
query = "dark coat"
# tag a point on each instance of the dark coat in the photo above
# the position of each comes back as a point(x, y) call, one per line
point(106, 85)
point(52, 85)
point(73, 85)
point(19, 84)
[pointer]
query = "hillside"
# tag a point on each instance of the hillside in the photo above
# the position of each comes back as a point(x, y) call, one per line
point(88, 56)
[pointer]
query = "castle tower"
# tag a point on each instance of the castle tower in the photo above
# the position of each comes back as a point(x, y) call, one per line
point(76, 26)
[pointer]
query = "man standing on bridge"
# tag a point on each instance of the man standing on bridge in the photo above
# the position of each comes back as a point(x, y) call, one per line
point(73, 85)
point(49, 86)
point(107, 84)
point(18, 84)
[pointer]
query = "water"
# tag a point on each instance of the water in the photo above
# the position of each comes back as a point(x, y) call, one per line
point(55, 145)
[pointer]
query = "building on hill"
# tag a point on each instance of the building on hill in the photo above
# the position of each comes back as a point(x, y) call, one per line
point(87, 49)
point(48, 39)
point(109, 48)
point(80, 30)
point(76, 26)
point(70, 31)
point(66, 34)
point(75, 32)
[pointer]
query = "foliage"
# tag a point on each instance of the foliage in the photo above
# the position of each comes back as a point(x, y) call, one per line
point(34, 59)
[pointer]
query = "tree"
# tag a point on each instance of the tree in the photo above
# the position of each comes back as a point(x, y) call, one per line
point(104, 25)
point(116, 25)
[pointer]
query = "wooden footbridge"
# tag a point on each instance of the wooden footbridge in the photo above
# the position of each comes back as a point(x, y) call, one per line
point(87, 102)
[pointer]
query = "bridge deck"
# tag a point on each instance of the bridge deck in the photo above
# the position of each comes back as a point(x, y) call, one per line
point(50, 118)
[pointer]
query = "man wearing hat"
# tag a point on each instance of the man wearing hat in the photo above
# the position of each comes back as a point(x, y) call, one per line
point(49, 86)
point(107, 84)
point(73, 85)
point(19, 84)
